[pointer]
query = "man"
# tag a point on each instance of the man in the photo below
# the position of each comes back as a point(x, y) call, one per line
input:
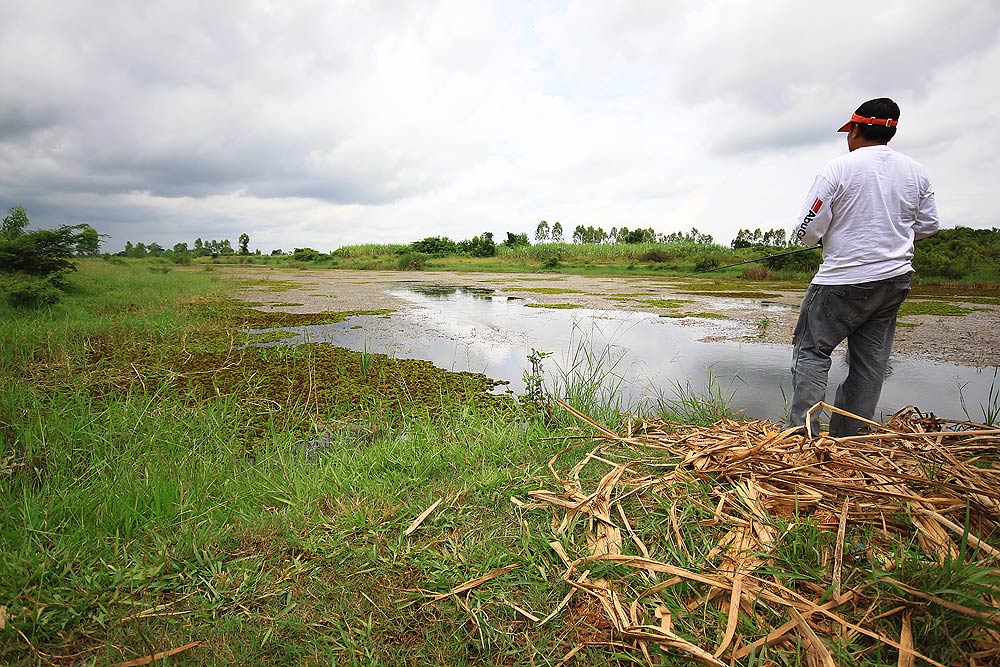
point(866, 208)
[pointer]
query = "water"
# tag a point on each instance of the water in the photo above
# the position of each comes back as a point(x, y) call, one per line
point(462, 329)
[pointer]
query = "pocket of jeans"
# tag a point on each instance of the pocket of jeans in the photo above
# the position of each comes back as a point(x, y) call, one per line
point(846, 302)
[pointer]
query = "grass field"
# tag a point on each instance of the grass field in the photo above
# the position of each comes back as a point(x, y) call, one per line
point(164, 487)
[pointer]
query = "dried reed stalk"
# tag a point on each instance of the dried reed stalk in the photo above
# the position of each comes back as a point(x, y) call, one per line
point(935, 480)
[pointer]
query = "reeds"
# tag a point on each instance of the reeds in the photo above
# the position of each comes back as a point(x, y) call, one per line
point(832, 548)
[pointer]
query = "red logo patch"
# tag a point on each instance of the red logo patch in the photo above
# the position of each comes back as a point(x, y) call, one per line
point(817, 205)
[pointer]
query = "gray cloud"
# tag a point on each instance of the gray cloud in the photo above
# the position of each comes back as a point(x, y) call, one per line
point(319, 123)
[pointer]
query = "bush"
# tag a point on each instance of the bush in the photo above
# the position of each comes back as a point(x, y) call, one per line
point(480, 246)
point(705, 264)
point(658, 256)
point(307, 255)
point(935, 263)
point(435, 245)
point(31, 292)
point(800, 262)
point(411, 261)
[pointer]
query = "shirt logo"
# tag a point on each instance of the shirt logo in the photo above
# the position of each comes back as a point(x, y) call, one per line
point(817, 205)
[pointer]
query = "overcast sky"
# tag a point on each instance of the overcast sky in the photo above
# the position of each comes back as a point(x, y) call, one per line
point(326, 123)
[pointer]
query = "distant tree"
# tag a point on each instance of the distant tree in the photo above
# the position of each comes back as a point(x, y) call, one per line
point(435, 245)
point(180, 247)
point(613, 235)
point(579, 234)
point(276, 251)
point(225, 248)
point(88, 241)
point(306, 255)
point(244, 244)
point(542, 232)
point(479, 246)
point(154, 249)
point(129, 249)
point(516, 240)
point(557, 232)
point(14, 223)
point(37, 262)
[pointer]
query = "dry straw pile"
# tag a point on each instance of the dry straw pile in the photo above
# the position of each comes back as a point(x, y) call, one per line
point(719, 582)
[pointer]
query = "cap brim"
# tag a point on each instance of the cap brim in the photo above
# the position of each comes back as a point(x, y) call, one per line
point(846, 127)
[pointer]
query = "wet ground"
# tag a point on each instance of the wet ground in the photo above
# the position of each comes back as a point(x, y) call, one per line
point(653, 334)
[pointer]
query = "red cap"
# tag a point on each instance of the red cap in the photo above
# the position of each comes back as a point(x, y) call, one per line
point(865, 120)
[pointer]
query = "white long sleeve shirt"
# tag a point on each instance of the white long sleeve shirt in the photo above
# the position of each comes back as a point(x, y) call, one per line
point(867, 207)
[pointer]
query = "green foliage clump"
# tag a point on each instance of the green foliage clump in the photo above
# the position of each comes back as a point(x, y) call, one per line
point(435, 245)
point(32, 291)
point(800, 262)
point(307, 255)
point(479, 246)
point(706, 264)
point(35, 264)
point(516, 240)
point(961, 252)
point(411, 261)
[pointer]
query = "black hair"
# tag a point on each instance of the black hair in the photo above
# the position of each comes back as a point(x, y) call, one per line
point(882, 107)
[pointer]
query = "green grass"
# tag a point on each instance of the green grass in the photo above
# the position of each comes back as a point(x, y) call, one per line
point(921, 307)
point(156, 489)
point(557, 306)
point(545, 290)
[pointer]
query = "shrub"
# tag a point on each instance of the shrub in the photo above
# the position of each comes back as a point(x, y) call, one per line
point(705, 264)
point(479, 246)
point(307, 255)
point(31, 292)
point(654, 255)
point(435, 245)
point(411, 261)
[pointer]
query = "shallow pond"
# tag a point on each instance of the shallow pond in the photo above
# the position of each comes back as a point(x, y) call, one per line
point(647, 356)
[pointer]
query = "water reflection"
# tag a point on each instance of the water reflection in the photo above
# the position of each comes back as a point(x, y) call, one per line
point(461, 329)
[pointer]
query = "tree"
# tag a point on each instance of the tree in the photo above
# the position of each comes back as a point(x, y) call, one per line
point(45, 252)
point(557, 232)
point(516, 240)
point(88, 241)
point(579, 234)
point(15, 223)
point(244, 244)
point(479, 246)
point(435, 245)
point(180, 248)
point(542, 232)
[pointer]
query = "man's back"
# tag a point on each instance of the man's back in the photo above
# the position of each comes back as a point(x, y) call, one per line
point(874, 203)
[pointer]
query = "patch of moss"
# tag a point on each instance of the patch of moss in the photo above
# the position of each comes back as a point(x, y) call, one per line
point(284, 304)
point(932, 308)
point(984, 300)
point(664, 303)
point(547, 290)
point(557, 306)
point(329, 382)
point(734, 295)
point(255, 319)
point(268, 337)
point(707, 316)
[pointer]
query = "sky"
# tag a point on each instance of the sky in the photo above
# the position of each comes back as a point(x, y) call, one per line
point(331, 122)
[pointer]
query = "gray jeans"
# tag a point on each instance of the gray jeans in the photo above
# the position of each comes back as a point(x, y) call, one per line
point(865, 315)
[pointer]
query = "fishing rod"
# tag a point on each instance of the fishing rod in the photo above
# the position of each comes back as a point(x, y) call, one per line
point(751, 261)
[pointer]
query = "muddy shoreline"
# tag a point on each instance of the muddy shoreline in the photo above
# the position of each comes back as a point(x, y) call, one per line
point(768, 317)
